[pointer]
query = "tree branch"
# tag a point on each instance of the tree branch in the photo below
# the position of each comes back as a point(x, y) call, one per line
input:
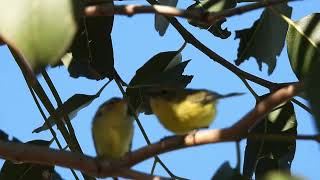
point(194, 14)
point(91, 166)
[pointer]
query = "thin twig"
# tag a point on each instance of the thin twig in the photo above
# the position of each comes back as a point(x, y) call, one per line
point(255, 95)
point(48, 124)
point(303, 106)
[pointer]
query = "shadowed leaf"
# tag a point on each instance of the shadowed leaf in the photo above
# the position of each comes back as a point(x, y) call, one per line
point(164, 69)
point(303, 42)
point(71, 107)
point(161, 24)
point(261, 156)
point(213, 6)
point(265, 39)
point(92, 51)
point(226, 172)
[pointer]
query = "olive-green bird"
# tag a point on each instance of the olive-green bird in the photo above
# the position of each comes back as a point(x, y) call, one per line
point(184, 110)
point(112, 129)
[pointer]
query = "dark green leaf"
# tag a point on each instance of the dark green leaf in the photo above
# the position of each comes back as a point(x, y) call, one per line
point(30, 26)
point(71, 107)
point(164, 69)
point(161, 24)
point(226, 172)
point(92, 51)
point(303, 42)
point(264, 155)
point(265, 39)
point(213, 6)
point(27, 171)
point(312, 88)
point(303, 49)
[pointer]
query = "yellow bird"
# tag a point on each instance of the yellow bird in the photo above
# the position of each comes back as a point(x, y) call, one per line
point(184, 110)
point(112, 129)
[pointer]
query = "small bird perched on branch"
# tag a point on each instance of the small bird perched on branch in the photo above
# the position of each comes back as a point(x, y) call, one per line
point(112, 129)
point(183, 110)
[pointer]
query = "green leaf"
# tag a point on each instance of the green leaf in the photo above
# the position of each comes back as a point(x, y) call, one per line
point(92, 51)
point(261, 155)
point(161, 24)
point(71, 107)
point(226, 172)
point(41, 30)
point(303, 49)
point(265, 39)
point(213, 6)
point(312, 88)
point(27, 171)
point(163, 70)
point(303, 44)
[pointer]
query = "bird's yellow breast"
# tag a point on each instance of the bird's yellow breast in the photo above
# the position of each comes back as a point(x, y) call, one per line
point(182, 117)
point(112, 133)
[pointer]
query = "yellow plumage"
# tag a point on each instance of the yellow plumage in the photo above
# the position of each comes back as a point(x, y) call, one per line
point(183, 110)
point(112, 129)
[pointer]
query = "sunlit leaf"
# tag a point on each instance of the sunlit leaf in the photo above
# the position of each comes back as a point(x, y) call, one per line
point(213, 6)
point(262, 156)
point(71, 107)
point(161, 24)
point(265, 39)
point(41, 30)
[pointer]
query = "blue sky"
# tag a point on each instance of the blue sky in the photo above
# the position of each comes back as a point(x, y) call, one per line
point(134, 42)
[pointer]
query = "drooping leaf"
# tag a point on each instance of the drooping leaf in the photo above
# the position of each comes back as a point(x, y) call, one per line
point(161, 24)
point(27, 171)
point(303, 42)
point(265, 39)
point(164, 69)
point(213, 6)
point(226, 172)
point(41, 30)
point(71, 107)
point(92, 51)
point(264, 155)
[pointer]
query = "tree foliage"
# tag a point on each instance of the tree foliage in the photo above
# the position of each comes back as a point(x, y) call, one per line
point(43, 34)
